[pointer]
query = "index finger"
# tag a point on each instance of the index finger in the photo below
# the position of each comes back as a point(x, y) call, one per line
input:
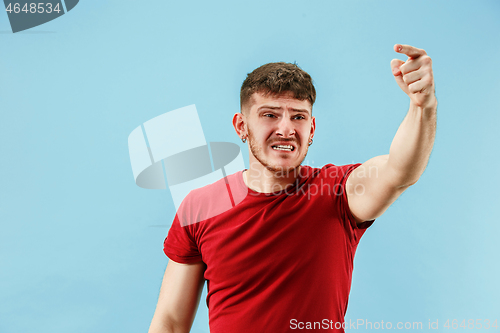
point(409, 50)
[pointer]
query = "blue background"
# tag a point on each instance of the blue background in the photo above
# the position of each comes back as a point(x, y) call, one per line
point(81, 244)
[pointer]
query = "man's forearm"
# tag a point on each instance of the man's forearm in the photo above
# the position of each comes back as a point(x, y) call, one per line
point(412, 145)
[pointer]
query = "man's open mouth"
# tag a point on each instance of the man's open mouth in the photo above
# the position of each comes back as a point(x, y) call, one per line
point(283, 147)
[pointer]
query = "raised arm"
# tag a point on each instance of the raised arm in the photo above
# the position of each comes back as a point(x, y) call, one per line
point(179, 298)
point(375, 185)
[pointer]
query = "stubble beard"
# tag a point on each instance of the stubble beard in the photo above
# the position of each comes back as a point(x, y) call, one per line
point(256, 151)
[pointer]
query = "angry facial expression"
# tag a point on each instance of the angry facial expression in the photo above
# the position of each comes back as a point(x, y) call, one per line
point(279, 128)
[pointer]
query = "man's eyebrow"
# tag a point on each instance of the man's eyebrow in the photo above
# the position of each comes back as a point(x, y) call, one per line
point(280, 108)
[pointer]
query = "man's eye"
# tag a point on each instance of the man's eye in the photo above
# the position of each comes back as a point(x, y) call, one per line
point(299, 117)
point(269, 115)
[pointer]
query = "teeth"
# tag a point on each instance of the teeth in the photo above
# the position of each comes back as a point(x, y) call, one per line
point(283, 147)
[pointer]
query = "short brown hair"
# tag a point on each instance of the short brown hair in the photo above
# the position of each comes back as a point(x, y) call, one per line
point(276, 78)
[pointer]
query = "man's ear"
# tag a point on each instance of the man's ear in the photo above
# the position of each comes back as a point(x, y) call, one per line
point(239, 124)
point(313, 127)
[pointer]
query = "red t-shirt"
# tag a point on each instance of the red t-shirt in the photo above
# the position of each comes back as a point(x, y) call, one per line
point(275, 262)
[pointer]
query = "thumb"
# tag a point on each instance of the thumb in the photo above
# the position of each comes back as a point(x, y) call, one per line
point(395, 64)
point(398, 76)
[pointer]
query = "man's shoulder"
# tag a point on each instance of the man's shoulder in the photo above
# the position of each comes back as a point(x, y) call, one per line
point(211, 200)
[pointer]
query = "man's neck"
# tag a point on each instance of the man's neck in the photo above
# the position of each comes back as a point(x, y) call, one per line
point(264, 181)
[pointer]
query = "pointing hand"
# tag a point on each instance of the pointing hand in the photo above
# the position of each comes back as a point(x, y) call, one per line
point(414, 76)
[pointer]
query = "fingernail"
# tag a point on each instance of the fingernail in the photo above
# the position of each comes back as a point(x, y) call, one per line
point(400, 48)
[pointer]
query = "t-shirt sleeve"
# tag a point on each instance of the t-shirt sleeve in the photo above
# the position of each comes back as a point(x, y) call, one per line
point(179, 245)
point(339, 196)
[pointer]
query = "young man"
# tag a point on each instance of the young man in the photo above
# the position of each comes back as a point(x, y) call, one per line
point(281, 258)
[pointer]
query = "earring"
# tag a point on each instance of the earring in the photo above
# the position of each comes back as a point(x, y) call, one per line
point(310, 142)
point(243, 140)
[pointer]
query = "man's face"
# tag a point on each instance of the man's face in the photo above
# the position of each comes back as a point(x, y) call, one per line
point(279, 130)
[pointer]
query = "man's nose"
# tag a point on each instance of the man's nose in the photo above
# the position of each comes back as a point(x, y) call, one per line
point(285, 128)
